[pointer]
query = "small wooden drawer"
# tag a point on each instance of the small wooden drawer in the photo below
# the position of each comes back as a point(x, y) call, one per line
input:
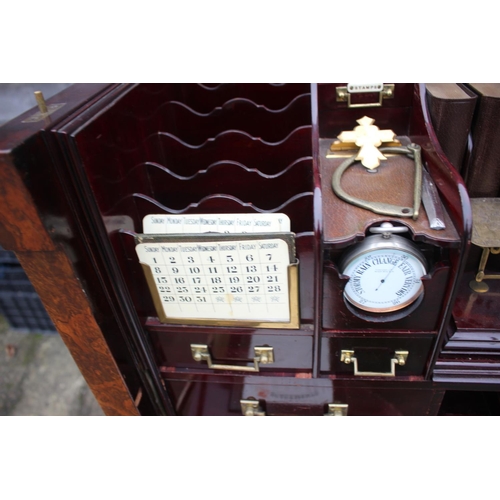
point(224, 395)
point(372, 357)
point(279, 396)
point(228, 351)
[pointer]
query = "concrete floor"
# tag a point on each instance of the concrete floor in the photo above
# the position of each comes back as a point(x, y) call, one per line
point(37, 374)
point(39, 377)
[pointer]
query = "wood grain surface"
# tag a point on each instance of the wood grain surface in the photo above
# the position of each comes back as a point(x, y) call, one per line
point(56, 283)
point(51, 272)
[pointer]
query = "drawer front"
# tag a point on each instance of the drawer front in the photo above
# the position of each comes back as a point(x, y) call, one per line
point(374, 355)
point(197, 397)
point(205, 395)
point(290, 352)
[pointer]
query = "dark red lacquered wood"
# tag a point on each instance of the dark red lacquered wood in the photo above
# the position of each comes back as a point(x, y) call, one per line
point(406, 115)
point(97, 244)
point(186, 160)
point(172, 349)
point(212, 395)
point(454, 192)
point(126, 196)
point(134, 150)
point(176, 193)
point(135, 206)
point(374, 354)
point(468, 354)
point(203, 98)
point(469, 359)
point(317, 246)
point(471, 351)
point(237, 114)
point(116, 158)
point(139, 115)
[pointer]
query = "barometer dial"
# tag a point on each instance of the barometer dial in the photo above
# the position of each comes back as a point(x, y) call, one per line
point(385, 274)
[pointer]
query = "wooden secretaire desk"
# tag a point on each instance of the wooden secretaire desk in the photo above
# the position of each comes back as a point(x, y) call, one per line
point(349, 310)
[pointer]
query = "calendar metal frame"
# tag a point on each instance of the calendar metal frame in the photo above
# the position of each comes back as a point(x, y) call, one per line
point(293, 278)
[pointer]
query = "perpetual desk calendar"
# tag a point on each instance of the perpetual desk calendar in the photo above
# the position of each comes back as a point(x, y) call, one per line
point(241, 271)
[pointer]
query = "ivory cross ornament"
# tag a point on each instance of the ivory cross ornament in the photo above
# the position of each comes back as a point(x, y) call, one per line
point(368, 137)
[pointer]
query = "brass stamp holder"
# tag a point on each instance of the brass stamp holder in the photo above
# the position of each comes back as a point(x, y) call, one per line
point(385, 91)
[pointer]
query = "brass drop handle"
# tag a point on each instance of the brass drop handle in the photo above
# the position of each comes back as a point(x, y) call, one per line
point(251, 408)
point(263, 355)
point(399, 359)
point(412, 151)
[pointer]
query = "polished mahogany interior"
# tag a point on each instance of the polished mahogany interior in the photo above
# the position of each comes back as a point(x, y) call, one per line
point(133, 150)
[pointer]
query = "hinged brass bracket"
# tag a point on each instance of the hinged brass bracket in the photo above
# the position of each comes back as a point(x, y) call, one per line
point(251, 408)
point(413, 151)
point(263, 355)
point(344, 95)
point(399, 358)
point(337, 410)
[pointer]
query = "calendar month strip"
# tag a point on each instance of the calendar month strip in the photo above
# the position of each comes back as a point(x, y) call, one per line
point(216, 223)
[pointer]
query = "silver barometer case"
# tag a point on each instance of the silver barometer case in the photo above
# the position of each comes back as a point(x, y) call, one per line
point(384, 271)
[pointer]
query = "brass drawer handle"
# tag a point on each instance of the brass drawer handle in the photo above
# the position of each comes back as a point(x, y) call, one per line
point(399, 358)
point(263, 355)
point(251, 408)
point(337, 410)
